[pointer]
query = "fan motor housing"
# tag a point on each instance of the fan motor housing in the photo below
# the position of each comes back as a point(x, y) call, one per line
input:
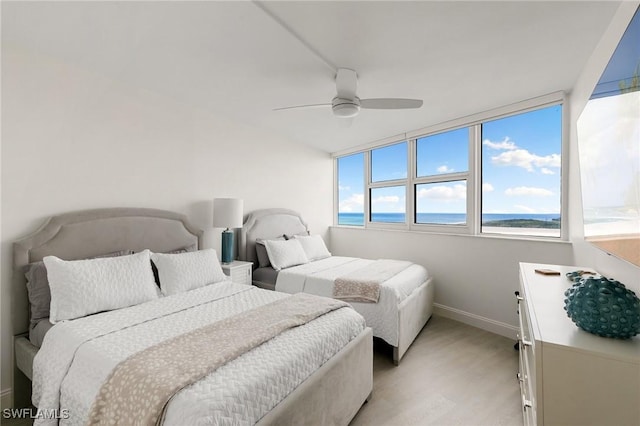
point(345, 107)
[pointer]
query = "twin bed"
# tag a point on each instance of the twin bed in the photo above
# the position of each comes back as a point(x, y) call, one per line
point(288, 379)
point(405, 301)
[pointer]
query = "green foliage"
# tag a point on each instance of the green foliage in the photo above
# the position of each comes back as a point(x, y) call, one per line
point(633, 85)
point(524, 223)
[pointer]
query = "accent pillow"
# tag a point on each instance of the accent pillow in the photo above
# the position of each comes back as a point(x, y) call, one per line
point(153, 265)
point(284, 254)
point(38, 287)
point(261, 252)
point(187, 271)
point(313, 247)
point(83, 287)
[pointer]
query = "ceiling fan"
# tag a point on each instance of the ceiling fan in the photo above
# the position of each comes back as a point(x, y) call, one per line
point(347, 104)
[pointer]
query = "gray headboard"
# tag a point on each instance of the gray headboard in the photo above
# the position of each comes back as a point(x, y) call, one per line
point(267, 224)
point(82, 234)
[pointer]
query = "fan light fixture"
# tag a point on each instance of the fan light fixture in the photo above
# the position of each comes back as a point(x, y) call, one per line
point(345, 108)
point(346, 104)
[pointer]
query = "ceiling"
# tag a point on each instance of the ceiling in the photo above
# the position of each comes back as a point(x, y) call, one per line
point(235, 60)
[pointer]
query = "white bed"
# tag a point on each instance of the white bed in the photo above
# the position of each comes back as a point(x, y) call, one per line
point(406, 299)
point(287, 380)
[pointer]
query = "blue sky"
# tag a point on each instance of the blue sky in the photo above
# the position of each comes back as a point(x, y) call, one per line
point(520, 169)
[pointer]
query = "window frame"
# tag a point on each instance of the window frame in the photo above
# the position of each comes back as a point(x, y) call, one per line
point(473, 175)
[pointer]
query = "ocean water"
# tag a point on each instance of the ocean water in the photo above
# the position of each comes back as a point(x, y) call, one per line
point(357, 219)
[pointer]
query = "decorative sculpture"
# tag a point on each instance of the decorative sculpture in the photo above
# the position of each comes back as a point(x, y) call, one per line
point(604, 307)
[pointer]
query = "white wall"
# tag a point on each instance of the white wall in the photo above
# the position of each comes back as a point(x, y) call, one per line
point(74, 140)
point(585, 253)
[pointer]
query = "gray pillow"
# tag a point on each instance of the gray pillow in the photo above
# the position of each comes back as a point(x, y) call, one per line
point(38, 287)
point(261, 252)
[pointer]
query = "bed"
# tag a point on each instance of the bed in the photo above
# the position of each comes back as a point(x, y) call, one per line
point(405, 301)
point(276, 382)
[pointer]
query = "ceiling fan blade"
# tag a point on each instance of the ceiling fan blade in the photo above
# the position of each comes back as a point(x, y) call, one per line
point(303, 106)
point(390, 103)
point(346, 83)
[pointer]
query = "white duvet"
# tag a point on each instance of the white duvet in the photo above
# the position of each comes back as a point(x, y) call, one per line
point(317, 278)
point(77, 356)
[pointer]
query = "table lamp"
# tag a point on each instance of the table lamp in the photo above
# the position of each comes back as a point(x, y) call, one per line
point(227, 213)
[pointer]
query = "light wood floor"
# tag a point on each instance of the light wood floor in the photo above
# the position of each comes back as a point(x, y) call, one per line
point(453, 374)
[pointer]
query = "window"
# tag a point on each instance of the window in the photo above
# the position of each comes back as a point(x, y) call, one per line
point(388, 204)
point(351, 190)
point(493, 174)
point(443, 153)
point(521, 173)
point(442, 203)
point(442, 170)
point(387, 186)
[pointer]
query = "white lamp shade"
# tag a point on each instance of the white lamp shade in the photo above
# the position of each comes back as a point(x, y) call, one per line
point(227, 213)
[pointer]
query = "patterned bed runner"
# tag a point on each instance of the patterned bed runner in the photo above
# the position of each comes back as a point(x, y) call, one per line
point(140, 387)
point(363, 285)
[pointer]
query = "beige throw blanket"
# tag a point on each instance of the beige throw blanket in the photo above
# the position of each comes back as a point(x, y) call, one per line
point(140, 387)
point(363, 285)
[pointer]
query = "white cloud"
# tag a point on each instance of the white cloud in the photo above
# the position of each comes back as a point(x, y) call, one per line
point(444, 193)
point(528, 191)
point(525, 159)
point(386, 199)
point(444, 169)
point(546, 171)
point(343, 188)
point(507, 144)
point(525, 209)
point(487, 187)
point(354, 203)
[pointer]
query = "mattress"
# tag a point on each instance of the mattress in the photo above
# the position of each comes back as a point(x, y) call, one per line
point(317, 278)
point(78, 355)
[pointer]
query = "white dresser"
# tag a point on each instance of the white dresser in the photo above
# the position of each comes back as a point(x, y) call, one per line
point(567, 375)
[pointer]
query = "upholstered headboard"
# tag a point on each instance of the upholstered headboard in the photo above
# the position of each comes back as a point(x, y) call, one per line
point(267, 224)
point(83, 234)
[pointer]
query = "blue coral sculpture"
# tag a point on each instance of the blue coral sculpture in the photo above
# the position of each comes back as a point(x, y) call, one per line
point(604, 307)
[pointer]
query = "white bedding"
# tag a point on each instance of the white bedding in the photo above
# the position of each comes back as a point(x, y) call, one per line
point(317, 278)
point(76, 356)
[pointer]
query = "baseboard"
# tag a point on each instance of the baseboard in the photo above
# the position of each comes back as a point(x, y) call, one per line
point(478, 321)
point(6, 398)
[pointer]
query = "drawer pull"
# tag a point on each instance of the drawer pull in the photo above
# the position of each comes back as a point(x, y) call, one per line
point(518, 297)
point(525, 402)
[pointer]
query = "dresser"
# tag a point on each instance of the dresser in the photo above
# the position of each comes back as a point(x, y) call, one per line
point(569, 376)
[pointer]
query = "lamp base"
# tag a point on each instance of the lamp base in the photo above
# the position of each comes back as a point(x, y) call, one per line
point(227, 246)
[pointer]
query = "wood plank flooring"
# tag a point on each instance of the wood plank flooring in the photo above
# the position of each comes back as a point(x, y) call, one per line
point(453, 374)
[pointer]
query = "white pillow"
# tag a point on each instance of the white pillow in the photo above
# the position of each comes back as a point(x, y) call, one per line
point(283, 254)
point(187, 271)
point(313, 246)
point(83, 287)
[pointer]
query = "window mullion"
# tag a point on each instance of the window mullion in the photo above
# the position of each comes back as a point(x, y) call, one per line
point(474, 182)
point(367, 188)
point(410, 191)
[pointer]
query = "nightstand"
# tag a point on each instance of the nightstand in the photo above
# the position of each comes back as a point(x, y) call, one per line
point(239, 271)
